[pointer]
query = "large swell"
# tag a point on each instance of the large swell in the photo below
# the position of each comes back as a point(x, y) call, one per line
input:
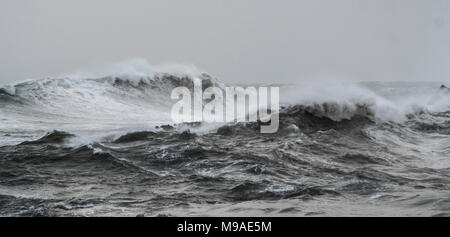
point(104, 144)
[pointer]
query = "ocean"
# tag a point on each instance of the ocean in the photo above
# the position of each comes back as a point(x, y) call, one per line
point(106, 146)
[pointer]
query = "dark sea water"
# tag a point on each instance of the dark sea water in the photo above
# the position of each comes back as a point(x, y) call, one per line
point(106, 147)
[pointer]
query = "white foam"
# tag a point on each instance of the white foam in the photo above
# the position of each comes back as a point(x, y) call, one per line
point(392, 103)
point(135, 68)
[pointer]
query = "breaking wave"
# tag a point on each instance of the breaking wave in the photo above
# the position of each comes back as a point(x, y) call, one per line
point(103, 143)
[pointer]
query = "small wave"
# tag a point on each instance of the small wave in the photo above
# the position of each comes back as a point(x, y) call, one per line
point(7, 90)
point(55, 137)
point(261, 191)
point(362, 159)
point(134, 137)
point(304, 119)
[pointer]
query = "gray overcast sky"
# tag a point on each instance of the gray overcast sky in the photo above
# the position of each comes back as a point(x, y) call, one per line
point(237, 40)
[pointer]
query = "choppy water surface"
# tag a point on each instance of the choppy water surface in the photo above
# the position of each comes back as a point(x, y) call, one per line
point(100, 147)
